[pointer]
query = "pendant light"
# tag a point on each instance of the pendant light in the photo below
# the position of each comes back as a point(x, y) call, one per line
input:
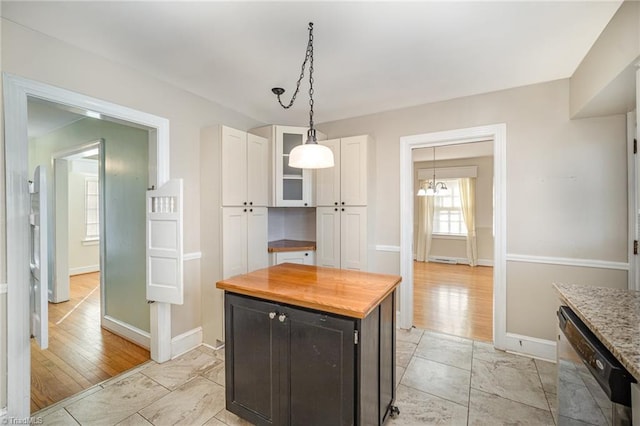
point(309, 155)
point(433, 187)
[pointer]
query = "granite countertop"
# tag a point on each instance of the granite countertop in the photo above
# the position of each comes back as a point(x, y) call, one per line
point(350, 293)
point(291, 245)
point(613, 315)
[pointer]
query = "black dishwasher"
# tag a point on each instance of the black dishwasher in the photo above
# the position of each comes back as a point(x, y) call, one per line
point(593, 387)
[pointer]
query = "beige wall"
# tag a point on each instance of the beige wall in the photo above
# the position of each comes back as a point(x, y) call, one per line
point(566, 181)
point(35, 56)
point(448, 247)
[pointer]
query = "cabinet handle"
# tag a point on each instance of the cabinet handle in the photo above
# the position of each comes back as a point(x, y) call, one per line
point(245, 203)
point(305, 204)
point(306, 254)
point(250, 210)
point(336, 203)
point(245, 210)
point(343, 203)
point(272, 315)
point(336, 209)
point(282, 317)
point(342, 209)
point(250, 203)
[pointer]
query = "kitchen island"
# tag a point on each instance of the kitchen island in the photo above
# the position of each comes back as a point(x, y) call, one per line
point(307, 345)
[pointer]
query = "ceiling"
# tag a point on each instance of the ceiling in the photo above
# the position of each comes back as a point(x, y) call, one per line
point(369, 56)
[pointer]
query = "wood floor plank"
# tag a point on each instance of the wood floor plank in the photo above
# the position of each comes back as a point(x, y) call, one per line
point(81, 353)
point(454, 299)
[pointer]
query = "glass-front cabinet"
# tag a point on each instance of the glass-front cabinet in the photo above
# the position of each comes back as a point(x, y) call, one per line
point(291, 187)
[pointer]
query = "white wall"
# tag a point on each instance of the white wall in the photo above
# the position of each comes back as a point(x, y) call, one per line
point(83, 257)
point(566, 185)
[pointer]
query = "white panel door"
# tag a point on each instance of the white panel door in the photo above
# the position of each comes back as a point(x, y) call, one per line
point(165, 281)
point(234, 241)
point(328, 180)
point(353, 243)
point(39, 261)
point(257, 238)
point(328, 236)
point(257, 170)
point(353, 171)
point(234, 167)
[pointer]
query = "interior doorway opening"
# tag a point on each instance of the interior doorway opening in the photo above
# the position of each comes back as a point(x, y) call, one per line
point(453, 239)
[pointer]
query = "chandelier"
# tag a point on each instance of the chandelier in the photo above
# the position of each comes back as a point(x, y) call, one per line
point(309, 155)
point(432, 186)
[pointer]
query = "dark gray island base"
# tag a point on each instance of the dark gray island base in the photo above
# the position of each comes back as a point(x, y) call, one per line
point(288, 364)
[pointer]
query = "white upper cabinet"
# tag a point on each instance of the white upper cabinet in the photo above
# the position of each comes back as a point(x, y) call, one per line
point(348, 183)
point(290, 186)
point(245, 168)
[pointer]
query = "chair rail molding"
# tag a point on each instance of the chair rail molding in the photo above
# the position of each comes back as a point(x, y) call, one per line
point(568, 261)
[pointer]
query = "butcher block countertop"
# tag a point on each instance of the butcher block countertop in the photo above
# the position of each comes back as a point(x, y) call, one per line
point(613, 315)
point(339, 291)
point(291, 245)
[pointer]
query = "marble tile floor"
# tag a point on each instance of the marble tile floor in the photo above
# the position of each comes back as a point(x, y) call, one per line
point(441, 380)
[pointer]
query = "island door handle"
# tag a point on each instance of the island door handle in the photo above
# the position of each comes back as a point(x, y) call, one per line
point(282, 317)
point(272, 315)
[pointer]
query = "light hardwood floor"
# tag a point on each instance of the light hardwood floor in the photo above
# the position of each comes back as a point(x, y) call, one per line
point(454, 299)
point(81, 353)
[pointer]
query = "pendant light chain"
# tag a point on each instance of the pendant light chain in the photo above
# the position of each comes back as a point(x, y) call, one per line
point(308, 55)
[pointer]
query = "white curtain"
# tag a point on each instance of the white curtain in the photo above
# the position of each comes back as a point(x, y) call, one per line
point(468, 202)
point(425, 227)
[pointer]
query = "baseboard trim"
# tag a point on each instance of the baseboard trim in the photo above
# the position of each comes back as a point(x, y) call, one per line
point(567, 261)
point(129, 332)
point(185, 342)
point(219, 345)
point(530, 346)
point(458, 260)
point(84, 269)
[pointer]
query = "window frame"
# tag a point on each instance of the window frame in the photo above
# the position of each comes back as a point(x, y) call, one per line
point(453, 184)
point(90, 239)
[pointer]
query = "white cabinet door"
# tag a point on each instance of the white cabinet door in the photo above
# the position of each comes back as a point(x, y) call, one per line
point(353, 171)
point(234, 241)
point(257, 238)
point(353, 238)
point(301, 257)
point(328, 236)
point(328, 180)
point(257, 170)
point(293, 186)
point(234, 167)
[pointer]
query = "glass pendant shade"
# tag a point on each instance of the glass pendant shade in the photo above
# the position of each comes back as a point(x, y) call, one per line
point(311, 156)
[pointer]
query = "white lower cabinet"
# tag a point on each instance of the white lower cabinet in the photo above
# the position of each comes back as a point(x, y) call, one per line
point(244, 240)
point(341, 234)
point(302, 257)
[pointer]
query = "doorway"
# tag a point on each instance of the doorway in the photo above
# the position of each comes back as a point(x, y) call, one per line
point(496, 134)
point(16, 93)
point(453, 239)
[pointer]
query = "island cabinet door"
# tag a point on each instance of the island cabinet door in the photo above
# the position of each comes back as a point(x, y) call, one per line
point(252, 359)
point(318, 386)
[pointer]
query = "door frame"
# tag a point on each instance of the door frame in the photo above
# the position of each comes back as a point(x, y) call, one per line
point(16, 91)
point(498, 134)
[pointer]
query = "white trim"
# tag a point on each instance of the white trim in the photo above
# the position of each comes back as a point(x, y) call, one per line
point(84, 269)
point(127, 331)
point(16, 90)
point(393, 249)
point(530, 346)
point(459, 260)
point(192, 256)
point(186, 341)
point(498, 134)
point(4, 288)
point(567, 261)
point(632, 201)
point(449, 172)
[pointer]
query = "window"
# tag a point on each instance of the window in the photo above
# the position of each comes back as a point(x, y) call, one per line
point(447, 211)
point(91, 205)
